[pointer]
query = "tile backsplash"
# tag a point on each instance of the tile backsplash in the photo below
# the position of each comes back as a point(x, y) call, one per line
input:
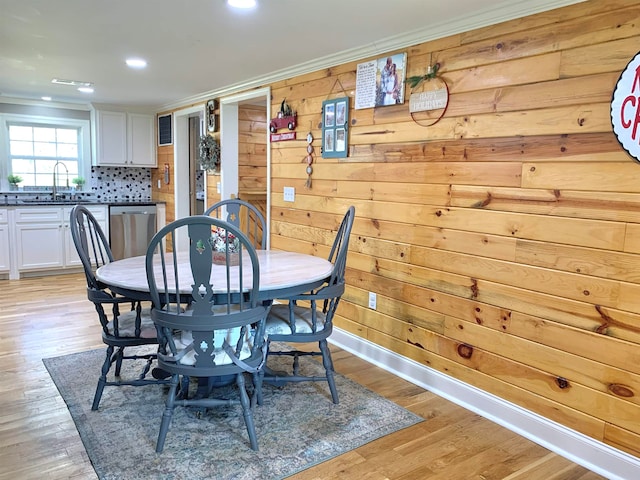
point(120, 183)
point(108, 184)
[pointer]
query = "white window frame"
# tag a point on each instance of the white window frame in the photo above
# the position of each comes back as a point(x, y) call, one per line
point(84, 141)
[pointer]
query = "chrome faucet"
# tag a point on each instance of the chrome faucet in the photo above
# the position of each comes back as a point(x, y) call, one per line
point(54, 192)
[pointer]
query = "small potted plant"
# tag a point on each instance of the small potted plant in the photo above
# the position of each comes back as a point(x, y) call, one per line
point(14, 180)
point(78, 182)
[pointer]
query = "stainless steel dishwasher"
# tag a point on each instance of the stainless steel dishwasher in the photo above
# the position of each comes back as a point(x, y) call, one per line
point(131, 228)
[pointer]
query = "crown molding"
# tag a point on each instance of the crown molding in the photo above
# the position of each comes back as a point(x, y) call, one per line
point(42, 103)
point(508, 10)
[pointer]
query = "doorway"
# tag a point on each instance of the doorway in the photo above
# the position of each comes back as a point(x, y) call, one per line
point(196, 174)
point(228, 154)
point(229, 142)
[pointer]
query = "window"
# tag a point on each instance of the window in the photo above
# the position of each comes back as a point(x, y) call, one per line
point(35, 149)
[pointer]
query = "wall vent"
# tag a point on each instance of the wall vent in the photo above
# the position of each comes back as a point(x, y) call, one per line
point(165, 130)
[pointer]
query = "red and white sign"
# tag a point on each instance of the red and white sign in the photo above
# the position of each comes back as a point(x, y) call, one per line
point(625, 108)
point(281, 137)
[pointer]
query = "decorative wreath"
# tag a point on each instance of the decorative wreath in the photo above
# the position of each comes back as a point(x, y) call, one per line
point(209, 154)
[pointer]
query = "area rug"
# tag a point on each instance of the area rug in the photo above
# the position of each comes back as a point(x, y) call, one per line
point(298, 426)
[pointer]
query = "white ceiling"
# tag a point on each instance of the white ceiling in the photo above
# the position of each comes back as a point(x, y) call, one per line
point(195, 47)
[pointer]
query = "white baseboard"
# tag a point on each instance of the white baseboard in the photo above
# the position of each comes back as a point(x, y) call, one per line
point(581, 449)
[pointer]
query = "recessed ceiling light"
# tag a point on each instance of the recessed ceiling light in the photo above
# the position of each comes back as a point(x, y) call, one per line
point(85, 89)
point(242, 3)
point(46, 99)
point(136, 63)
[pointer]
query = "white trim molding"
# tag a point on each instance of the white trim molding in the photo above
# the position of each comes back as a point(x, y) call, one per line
point(581, 449)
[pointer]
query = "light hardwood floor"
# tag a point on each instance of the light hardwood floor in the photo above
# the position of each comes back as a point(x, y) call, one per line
point(50, 316)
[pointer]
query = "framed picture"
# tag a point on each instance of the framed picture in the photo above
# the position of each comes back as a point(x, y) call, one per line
point(329, 115)
point(335, 128)
point(327, 145)
point(212, 121)
point(340, 141)
point(380, 82)
point(341, 113)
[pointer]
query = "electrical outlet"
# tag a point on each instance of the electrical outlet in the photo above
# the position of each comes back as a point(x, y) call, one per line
point(372, 300)
point(218, 187)
point(289, 194)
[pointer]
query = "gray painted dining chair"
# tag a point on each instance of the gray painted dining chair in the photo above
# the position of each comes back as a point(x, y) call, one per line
point(125, 322)
point(212, 329)
point(308, 318)
point(244, 216)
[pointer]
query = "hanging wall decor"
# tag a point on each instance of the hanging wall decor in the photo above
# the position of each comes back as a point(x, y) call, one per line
point(209, 154)
point(286, 118)
point(212, 121)
point(625, 108)
point(429, 97)
point(309, 159)
point(335, 118)
point(380, 82)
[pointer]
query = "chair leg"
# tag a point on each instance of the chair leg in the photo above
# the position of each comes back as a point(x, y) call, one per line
point(102, 380)
point(256, 398)
point(183, 393)
point(328, 366)
point(119, 358)
point(246, 411)
point(168, 412)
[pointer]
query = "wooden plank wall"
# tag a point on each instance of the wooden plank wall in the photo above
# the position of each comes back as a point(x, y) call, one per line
point(503, 242)
point(165, 193)
point(252, 158)
point(252, 155)
point(252, 150)
point(213, 195)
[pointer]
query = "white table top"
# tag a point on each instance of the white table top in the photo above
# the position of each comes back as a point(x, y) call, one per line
point(281, 273)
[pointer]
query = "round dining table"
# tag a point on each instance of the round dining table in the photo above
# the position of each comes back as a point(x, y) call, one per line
point(282, 274)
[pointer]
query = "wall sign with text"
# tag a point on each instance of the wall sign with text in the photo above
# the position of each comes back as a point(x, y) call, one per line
point(335, 118)
point(380, 82)
point(625, 108)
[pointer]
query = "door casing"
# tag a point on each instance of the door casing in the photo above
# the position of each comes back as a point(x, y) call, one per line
point(228, 152)
point(229, 144)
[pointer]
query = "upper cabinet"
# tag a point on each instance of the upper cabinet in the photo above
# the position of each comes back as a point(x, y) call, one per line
point(110, 138)
point(141, 140)
point(124, 139)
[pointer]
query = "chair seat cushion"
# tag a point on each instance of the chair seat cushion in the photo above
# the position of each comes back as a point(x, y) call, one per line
point(127, 325)
point(278, 320)
point(184, 341)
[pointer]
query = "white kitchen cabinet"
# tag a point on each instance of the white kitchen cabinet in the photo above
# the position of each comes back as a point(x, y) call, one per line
point(43, 237)
point(39, 236)
point(5, 252)
point(124, 139)
point(110, 138)
point(141, 140)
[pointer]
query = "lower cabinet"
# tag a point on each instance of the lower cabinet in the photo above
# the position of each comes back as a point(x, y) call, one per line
point(43, 237)
point(5, 252)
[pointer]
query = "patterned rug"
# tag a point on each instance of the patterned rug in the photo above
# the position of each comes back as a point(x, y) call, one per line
point(298, 426)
